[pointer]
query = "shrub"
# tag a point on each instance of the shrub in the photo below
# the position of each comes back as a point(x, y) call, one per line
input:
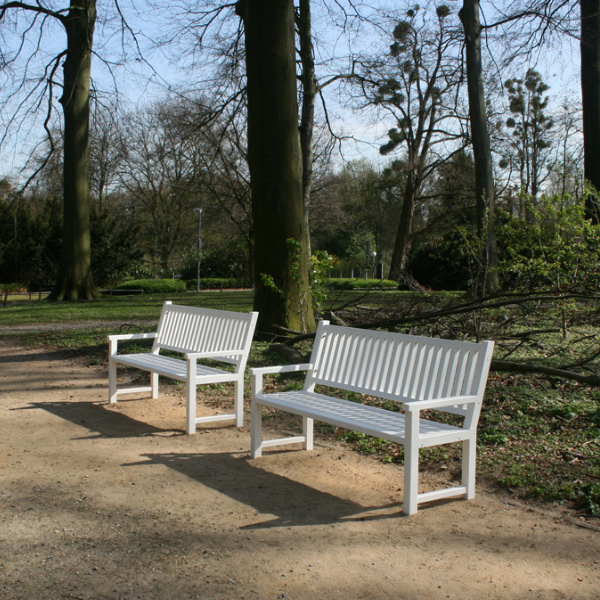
point(154, 286)
point(229, 261)
point(558, 250)
point(115, 247)
point(215, 283)
point(360, 284)
point(442, 262)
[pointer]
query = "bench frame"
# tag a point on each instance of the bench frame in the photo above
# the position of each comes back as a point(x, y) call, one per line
point(419, 373)
point(197, 333)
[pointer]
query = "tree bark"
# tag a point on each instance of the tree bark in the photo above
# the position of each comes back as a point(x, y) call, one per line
point(75, 276)
point(590, 96)
point(484, 176)
point(307, 118)
point(403, 233)
point(282, 294)
point(309, 93)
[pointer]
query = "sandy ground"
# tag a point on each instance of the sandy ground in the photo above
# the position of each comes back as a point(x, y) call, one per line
point(115, 502)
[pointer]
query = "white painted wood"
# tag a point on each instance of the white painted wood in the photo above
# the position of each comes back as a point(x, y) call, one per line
point(135, 390)
point(441, 494)
point(419, 373)
point(198, 334)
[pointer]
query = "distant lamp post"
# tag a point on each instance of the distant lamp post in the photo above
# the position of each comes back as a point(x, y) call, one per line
point(370, 258)
point(198, 211)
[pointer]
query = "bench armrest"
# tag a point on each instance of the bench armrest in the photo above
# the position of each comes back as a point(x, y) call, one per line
point(113, 340)
point(132, 336)
point(280, 369)
point(257, 374)
point(418, 405)
point(197, 355)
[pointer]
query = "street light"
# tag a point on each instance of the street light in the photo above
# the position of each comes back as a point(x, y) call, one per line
point(198, 211)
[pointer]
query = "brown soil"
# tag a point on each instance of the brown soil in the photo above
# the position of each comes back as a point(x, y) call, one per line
point(115, 502)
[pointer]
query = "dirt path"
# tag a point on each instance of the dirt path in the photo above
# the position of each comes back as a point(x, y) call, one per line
point(100, 502)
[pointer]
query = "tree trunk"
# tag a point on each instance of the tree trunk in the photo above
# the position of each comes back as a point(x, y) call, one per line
point(282, 294)
point(484, 177)
point(75, 276)
point(590, 96)
point(307, 119)
point(402, 243)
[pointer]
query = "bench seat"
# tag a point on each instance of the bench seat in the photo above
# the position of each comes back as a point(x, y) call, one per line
point(168, 366)
point(370, 420)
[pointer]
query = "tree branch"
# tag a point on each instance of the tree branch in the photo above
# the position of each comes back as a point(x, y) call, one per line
point(513, 367)
point(33, 8)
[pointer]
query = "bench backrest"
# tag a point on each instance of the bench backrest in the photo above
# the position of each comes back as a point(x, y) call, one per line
point(193, 329)
point(397, 366)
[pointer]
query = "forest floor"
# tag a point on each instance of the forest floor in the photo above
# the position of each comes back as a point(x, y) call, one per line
point(113, 502)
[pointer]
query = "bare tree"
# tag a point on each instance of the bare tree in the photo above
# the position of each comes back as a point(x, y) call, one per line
point(226, 177)
point(106, 154)
point(417, 83)
point(37, 24)
point(484, 176)
point(161, 176)
point(78, 21)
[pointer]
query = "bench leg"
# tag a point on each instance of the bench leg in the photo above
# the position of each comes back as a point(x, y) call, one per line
point(411, 464)
point(256, 431)
point(154, 385)
point(307, 432)
point(238, 392)
point(190, 422)
point(112, 381)
point(468, 466)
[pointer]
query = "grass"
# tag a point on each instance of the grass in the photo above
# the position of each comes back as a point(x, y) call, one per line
point(538, 437)
point(109, 315)
point(117, 308)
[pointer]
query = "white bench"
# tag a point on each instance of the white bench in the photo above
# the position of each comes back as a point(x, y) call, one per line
point(197, 333)
point(419, 373)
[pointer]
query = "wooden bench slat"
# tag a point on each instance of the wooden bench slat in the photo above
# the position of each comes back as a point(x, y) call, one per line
point(357, 417)
point(167, 366)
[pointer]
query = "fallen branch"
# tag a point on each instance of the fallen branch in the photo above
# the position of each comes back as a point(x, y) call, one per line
point(290, 354)
point(294, 357)
point(474, 306)
point(497, 301)
point(570, 455)
point(336, 320)
point(513, 367)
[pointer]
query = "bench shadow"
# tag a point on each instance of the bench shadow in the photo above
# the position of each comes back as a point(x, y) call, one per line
point(55, 355)
point(292, 503)
point(102, 423)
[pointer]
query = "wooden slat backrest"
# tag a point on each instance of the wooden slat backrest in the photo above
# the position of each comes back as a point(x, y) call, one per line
point(398, 366)
point(191, 329)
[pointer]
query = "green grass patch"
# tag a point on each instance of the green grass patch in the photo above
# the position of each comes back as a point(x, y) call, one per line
point(118, 308)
